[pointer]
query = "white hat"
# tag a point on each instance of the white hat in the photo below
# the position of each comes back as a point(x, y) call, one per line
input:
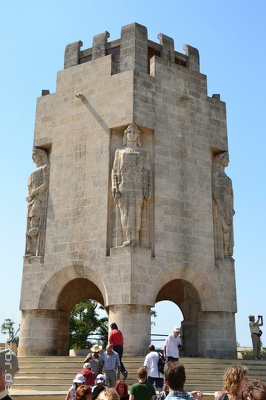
point(79, 378)
point(100, 378)
point(176, 329)
point(96, 348)
point(86, 365)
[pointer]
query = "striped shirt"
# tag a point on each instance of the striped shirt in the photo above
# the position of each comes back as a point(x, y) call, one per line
point(111, 361)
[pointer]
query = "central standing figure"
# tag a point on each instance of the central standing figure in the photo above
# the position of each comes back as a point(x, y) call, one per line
point(131, 184)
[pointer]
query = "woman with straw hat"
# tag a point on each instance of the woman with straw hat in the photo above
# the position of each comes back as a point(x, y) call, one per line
point(95, 359)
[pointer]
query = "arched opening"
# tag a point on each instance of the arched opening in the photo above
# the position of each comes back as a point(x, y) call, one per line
point(185, 296)
point(88, 326)
point(73, 293)
point(168, 316)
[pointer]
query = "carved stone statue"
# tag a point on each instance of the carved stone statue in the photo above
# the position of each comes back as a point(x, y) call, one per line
point(131, 184)
point(37, 203)
point(223, 208)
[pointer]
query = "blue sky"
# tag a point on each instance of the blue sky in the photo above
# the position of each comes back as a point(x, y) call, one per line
point(230, 37)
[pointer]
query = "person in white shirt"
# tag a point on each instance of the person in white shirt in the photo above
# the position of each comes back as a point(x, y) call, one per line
point(172, 346)
point(151, 363)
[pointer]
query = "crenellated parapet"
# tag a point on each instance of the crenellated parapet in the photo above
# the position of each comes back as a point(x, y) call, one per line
point(132, 51)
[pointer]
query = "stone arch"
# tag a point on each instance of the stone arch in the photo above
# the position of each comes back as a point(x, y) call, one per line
point(191, 277)
point(194, 293)
point(186, 297)
point(66, 288)
point(59, 282)
point(73, 292)
point(77, 290)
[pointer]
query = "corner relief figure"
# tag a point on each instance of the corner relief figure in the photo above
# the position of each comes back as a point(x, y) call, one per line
point(223, 207)
point(37, 199)
point(131, 188)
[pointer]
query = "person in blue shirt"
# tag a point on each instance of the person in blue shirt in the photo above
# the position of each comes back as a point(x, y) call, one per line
point(111, 364)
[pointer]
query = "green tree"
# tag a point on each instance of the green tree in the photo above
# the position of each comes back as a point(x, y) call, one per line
point(153, 315)
point(85, 327)
point(7, 328)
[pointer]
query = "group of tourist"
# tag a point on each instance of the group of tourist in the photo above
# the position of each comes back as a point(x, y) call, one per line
point(152, 383)
point(103, 371)
point(100, 376)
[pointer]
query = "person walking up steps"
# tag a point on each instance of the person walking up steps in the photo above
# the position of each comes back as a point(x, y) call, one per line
point(117, 340)
point(151, 363)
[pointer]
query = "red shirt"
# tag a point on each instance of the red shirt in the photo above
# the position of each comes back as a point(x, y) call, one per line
point(89, 378)
point(116, 337)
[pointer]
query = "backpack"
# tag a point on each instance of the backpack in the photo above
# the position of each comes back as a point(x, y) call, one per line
point(161, 363)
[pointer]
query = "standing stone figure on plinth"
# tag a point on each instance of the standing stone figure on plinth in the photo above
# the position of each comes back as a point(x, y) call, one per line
point(223, 207)
point(131, 184)
point(37, 203)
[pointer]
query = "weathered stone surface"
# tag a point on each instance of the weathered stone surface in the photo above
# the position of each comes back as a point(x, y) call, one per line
point(131, 189)
point(37, 198)
point(81, 125)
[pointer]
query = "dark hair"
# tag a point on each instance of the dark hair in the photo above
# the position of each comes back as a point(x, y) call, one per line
point(151, 347)
point(174, 375)
point(113, 325)
point(82, 392)
point(255, 391)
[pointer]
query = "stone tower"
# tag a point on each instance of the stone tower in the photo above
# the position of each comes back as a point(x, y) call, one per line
point(129, 203)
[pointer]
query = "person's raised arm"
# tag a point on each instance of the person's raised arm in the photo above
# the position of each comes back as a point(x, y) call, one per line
point(68, 396)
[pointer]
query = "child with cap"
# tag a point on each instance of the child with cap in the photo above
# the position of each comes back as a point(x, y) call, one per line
point(8, 369)
point(98, 391)
point(77, 381)
point(88, 375)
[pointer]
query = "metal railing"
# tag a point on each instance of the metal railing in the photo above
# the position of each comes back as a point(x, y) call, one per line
point(156, 338)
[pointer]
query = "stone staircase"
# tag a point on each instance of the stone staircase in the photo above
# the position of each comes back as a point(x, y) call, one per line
point(50, 377)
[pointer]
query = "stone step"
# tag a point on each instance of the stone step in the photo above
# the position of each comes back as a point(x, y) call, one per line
point(36, 395)
point(51, 377)
point(32, 395)
point(44, 386)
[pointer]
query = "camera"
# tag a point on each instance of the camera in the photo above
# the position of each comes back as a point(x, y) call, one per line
point(259, 316)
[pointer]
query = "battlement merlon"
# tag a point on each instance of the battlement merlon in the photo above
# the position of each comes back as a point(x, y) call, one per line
point(72, 52)
point(132, 51)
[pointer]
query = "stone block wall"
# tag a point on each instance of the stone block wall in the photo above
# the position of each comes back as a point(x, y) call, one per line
point(80, 126)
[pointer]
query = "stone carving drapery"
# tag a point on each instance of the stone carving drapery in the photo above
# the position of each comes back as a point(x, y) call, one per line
point(223, 208)
point(37, 199)
point(131, 186)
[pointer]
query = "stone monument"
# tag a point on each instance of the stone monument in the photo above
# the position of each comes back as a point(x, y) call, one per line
point(38, 183)
point(130, 203)
point(131, 186)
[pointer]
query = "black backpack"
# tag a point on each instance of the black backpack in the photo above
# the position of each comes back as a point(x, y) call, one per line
point(161, 363)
